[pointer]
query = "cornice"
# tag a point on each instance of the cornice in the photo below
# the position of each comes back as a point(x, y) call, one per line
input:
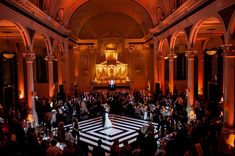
point(180, 12)
point(34, 12)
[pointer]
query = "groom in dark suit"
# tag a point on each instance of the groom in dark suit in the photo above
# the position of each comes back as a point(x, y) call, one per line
point(103, 114)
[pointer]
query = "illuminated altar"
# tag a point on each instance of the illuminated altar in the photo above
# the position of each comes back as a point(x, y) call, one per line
point(111, 68)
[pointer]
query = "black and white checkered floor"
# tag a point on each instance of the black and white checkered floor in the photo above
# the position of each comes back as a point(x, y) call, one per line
point(124, 128)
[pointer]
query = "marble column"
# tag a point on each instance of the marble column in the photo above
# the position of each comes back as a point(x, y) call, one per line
point(201, 73)
point(171, 72)
point(76, 69)
point(160, 71)
point(32, 115)
point(146, 66)
point(66, 71)
point(155, 65)
point(50, 59)
point(190, 54)
point(228, 83)
point(20, 75)
point(60, 70)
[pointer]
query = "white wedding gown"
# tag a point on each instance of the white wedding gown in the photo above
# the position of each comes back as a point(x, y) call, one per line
point(107, 123)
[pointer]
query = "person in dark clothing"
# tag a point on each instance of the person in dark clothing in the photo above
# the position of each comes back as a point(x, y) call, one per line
point(98, 150)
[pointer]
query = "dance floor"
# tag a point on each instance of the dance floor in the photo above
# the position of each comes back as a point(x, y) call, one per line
point(124, 128)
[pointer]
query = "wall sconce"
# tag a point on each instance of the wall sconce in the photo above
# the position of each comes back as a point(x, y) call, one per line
point(211, 52)
point(8, 55)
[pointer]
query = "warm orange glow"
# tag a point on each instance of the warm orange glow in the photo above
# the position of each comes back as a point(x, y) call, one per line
point(111, 68)
point(110, 55)
point(30, 118)
point(21, 95)
point(230, 140)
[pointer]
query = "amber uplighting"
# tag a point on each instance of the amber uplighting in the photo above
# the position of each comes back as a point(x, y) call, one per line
point(21, 95)
point(230, 140)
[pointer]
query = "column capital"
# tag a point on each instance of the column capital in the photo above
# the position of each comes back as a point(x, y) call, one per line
point(29, 57)
point(50, 58)
point(190, 54)
point(91, 48)
point(76, 49)
point(19, 58)
point(131, 48)
point(61, 59)
point(159, 56)
point(228, 51)
point(171, 56)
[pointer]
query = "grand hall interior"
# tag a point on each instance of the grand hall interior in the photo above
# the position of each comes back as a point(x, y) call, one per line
point(117, 77)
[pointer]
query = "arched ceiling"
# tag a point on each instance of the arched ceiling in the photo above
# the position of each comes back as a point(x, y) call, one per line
point(113, 11)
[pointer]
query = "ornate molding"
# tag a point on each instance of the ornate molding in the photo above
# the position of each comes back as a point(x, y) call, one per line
point(159, 56)
point(177, 14)
point(50, 58)
point(228, 51)
point(132, 48)
point(60, 59)
point(91, 48)
point(29, 8)
point(29, 57)
point(171, 56)
point(75, 49)
point(190, 54)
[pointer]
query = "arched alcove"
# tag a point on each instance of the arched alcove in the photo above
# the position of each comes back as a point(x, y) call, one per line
point(12, 46)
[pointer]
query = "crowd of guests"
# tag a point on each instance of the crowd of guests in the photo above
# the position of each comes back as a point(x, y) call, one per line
point(177, 133)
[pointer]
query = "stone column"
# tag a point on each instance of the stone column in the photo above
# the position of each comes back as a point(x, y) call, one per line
point(20, 71)
point(228, 84)
point(160, 71)
point(155, 65)
point(190, 54)
point(76, 69)
point(171, 72)
point(146, 66)
point(32, 115)
point(50, 59)
point(201, 73)
point(66, 70)
point(60, 71)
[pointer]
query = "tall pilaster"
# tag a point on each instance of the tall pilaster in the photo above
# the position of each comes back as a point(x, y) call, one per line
point(146, 65)
point(171, 72)
point(228, 83)
point(50, 59)
point(155, 65)
point(32, 115)
point(190, 54)
point(20, 77)
point(161, 72)
point(200, 73)
point(60, 70)
point(76, 63)
point(66, 68)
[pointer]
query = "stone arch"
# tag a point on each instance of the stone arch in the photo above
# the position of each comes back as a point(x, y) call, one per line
point(197, 26)
point(46, 41)
point(164, 47)
point(23, 32)
point(175, 36)
point(230, 36)
point(57, 46)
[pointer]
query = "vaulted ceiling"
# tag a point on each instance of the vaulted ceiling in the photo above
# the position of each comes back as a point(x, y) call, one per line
point(129, 18)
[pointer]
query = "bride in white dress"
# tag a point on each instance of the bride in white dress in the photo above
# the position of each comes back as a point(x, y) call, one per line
point(107, 123)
